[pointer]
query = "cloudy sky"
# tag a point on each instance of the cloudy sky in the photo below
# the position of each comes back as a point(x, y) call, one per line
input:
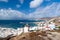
point(28, 9)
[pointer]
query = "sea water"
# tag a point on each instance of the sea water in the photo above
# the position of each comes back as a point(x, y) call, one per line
point(17, 23)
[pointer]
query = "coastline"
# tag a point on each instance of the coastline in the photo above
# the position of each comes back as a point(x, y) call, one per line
point(38, 35)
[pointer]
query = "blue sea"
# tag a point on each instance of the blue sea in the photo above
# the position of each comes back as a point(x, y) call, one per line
point(17, 23)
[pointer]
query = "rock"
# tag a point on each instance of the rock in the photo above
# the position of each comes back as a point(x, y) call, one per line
point(4, 32)
point(31, 36)
point(38, 35)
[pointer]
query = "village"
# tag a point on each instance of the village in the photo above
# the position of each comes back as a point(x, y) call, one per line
point(42, 26)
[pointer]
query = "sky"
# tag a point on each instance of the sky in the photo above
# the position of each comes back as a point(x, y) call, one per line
point(28, 9)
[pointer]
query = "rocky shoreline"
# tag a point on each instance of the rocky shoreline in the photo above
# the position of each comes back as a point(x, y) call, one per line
point(38, 35)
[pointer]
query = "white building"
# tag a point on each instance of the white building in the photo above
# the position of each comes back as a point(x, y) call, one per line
point(33, 28)
point(19, 31)
point(52, 25)
point(26, 28)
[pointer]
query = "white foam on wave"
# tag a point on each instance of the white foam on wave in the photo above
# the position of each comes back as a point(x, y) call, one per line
point(4, 32)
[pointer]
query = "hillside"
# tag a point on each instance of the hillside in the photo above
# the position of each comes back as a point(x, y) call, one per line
point(40, 35)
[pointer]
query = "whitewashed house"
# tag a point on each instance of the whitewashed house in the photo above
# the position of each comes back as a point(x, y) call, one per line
point(52, 25)
point(19, 31)
point(26, 28)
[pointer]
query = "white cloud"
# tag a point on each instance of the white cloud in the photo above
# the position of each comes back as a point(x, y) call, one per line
point(49, 11)
point(10, 14)
point(18, 5)
point(35, 3)
point(21, 1)
point(4, 0)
